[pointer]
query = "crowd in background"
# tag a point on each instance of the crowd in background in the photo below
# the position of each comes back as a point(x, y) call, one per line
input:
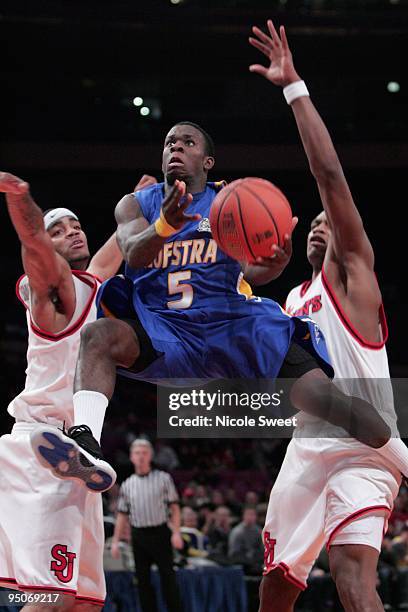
point(224, 507)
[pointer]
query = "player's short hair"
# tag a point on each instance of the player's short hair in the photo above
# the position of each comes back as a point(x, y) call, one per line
point(209, 143)
point(141, 442)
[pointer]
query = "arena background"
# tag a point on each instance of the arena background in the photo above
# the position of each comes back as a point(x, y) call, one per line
point(70, 73)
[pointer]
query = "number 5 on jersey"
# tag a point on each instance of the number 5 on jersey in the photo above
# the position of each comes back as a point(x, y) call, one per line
point(176, 285)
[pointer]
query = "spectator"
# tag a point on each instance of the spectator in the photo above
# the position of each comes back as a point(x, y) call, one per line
point(245, 543)
point(205, 517)
point(232, 502)
point(201, 496)
point(400, 547)
point(387, 572)
point(194, 540)
point(165, 456)
point(251, 498)
point(218, 535)
point(217, 498)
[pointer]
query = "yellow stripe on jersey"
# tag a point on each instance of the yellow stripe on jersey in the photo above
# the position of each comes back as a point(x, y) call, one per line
point(244, 288)
point(108, 314)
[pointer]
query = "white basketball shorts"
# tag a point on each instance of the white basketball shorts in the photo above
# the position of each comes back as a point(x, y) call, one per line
point(328, 491)
point(51, 530)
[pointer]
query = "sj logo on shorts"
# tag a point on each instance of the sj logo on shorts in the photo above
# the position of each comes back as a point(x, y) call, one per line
point(63, 564)
point(269, 551)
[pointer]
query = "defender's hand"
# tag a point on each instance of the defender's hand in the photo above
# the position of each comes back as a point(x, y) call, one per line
point(145, 181)
point(12, 184)
point(174, 205)
point(281, 70)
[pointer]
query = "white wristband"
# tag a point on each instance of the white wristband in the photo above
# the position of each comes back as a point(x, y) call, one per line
point(294, 91)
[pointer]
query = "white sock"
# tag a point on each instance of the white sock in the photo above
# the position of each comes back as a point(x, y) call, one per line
point(89, 409)
point(397, 453)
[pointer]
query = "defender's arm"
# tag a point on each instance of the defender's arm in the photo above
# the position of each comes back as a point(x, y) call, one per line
point(48, 273)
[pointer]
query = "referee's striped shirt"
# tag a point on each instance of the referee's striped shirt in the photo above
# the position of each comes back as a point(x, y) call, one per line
point(146, 498)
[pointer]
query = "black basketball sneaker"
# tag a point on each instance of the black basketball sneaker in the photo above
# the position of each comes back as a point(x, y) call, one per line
point(74, 454)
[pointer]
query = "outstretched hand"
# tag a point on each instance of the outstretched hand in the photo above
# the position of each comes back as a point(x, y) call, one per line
point(12, 184)
point(281, 70)
point(174, 205)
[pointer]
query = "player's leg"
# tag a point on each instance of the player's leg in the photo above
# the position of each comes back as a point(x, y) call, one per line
point(354, 570)
point(105, 344)
point(277, 593)
point(91, 588)
point(315, 394)
point(294, 526)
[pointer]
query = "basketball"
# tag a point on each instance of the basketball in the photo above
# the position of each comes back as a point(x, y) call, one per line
point(248, 217)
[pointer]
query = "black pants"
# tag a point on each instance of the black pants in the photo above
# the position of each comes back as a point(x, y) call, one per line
point(153, 545)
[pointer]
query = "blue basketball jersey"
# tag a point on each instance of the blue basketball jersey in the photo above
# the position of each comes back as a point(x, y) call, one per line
point(197, 310)
point(190, 271)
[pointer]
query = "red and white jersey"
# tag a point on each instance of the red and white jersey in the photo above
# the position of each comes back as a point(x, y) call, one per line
point(354, 359)
point(51, 358)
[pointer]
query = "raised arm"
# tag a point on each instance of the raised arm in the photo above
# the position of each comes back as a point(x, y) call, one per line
point(49, 275)
point(140, 241)
point(350, 241)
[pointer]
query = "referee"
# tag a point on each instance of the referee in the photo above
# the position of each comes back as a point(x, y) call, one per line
point(144, 500)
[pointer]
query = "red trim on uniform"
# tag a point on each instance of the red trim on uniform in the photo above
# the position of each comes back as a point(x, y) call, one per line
point(81, 275)
point(45, 588)
point(90, 599)
point(12, 580)
point(304, 287)
point(347, 323)
point(287, 574)
point(26, 587)
point(355, 516)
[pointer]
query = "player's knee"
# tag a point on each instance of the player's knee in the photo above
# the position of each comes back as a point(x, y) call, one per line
point(276, 590)
point(99, 335)
point(348, 584)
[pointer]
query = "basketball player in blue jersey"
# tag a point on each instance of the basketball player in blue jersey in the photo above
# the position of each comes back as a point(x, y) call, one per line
point(183, 309)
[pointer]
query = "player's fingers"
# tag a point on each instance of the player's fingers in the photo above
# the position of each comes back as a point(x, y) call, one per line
point(268, 262)
point(273, 32)
point(263, 37)
point(260, 46)
point(175, 195)
point(295, 221)
point(285, 44)
point(287, 245)
point(258, 69)
point(185, 202)
point(278, 252)
point(195, 217)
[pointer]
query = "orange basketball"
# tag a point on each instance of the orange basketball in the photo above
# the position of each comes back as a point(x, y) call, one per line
point(248, 216)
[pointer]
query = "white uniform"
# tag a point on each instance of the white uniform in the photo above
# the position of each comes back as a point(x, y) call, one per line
point(51, 530)
point(332, 489)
